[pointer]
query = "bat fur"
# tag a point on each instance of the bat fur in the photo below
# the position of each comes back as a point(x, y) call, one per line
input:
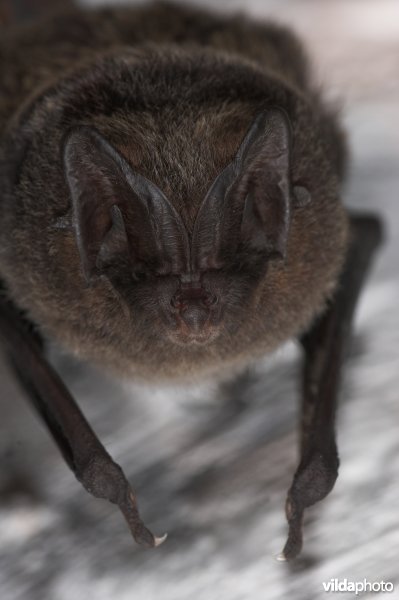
point(173, 91)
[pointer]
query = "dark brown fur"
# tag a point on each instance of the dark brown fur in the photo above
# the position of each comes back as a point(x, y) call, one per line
point(174, 90)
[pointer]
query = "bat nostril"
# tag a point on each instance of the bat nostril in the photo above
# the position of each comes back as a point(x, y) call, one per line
point(181, 302)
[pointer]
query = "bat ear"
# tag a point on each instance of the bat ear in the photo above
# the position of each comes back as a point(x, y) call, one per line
point(117, 212)
point(265, 184)
point(251, 199)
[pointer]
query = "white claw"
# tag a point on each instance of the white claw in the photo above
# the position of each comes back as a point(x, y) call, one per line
point(159, 540)
point(281, 557)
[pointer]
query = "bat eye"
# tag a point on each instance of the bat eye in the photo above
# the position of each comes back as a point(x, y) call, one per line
point(139, 276)
point(210, 300)
point(178, 302)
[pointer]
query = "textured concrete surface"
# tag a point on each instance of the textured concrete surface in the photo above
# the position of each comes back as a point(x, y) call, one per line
point(212, 467)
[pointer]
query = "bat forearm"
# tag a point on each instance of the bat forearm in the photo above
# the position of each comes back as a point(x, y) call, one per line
point(325, 345)
point(82, 450)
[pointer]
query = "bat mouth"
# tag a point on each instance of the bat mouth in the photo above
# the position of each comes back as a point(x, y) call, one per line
point(190, 338)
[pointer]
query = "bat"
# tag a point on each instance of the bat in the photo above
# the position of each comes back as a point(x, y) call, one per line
point(170, 208)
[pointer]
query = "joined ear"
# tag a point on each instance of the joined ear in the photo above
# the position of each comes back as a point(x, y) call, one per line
point(117, 211)
point(250, 201)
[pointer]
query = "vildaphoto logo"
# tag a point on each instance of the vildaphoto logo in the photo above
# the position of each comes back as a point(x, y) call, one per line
point(358, 587)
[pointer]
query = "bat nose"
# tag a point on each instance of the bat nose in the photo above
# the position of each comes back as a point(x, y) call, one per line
point(193, 307)
point(194, 316)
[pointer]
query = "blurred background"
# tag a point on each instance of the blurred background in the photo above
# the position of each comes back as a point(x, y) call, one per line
point(212, 466)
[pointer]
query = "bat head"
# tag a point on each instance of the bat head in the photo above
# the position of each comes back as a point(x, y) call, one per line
point(192, 283)
point(168, 238)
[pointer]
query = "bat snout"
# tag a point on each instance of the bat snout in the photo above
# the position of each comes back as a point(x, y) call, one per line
point(194, 318)
point(194, 324)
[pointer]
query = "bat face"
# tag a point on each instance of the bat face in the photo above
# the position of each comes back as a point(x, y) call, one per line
point(187, 288)
point(156, 279)
point(187, 309)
